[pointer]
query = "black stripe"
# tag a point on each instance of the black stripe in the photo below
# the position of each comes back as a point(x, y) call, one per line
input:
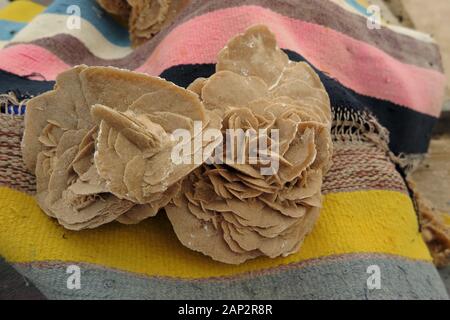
point(23, 87)
point(410, 131)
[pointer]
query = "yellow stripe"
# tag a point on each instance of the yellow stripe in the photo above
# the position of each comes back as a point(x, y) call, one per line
point(355, 222)
point(21, 11)
point(446, 217)
point(363, 3)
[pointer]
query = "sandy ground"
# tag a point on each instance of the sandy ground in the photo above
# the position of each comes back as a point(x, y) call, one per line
point(433, 18)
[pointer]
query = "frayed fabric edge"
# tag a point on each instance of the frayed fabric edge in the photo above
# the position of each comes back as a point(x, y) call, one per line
point(9, 101)
point(350, 126)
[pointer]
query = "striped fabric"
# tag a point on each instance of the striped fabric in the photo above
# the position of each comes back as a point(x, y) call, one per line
point(15, 17)
point(390, 76)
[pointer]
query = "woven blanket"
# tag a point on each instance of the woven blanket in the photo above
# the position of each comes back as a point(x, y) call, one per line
point(386, 88)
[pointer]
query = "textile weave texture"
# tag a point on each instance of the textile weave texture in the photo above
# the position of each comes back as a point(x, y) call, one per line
point(386, 88)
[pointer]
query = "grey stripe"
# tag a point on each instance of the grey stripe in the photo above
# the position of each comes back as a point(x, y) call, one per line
point(332, 278)
point(445, 275)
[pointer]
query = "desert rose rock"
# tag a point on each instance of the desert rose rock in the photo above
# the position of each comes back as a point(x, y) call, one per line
point(88, 140)
point(231, 211)
point(105, 146)
point(145, 18)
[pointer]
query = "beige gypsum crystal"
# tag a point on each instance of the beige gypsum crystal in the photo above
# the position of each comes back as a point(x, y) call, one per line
point(134, 150)
point(59, 144)
point(227, 89)
point(244, 212)
point(145, 18)
point(89, 208)
point(272, 224)
point(197, 85)
point(118, 8)
point(202, 235)
point(148, 17)
point(147, 14)
point(65, 107)
point(254, 53)
point(63, 118)
point(214, 229)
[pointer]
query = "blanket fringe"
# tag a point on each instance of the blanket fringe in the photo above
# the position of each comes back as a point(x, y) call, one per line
point(435, 231)
point(8, 100)
point(350, 126)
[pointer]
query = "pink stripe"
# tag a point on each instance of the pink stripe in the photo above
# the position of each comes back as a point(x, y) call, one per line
point(357, 65)
point(25, 59)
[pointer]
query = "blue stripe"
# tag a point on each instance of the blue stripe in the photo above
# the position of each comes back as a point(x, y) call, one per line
point(358, 6)
point(9, 29)
point(13, 109)
point(91, 12)
point(343, 277)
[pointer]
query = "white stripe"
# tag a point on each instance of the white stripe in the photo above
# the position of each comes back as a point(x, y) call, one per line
point(425, 37)
point(49, 25)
